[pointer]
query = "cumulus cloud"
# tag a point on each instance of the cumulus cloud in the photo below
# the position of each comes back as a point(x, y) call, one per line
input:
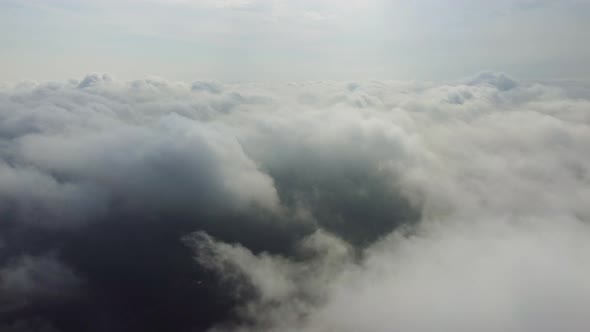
point(307, 206)
point(490, 277)
point(91, 155)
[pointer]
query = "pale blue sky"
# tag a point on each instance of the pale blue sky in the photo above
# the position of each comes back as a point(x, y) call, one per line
point(293, 40)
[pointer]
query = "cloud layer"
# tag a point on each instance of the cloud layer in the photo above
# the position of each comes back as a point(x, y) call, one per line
point(314, 206)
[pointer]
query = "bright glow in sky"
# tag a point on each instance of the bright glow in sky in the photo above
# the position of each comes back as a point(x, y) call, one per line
point(256, 40)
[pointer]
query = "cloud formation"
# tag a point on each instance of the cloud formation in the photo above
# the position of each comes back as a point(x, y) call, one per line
point(306, 206)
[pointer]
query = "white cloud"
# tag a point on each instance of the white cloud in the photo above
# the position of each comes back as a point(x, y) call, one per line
point(503, 182)
point(437, 206)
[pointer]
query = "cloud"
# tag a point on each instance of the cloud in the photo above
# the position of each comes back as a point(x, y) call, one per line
point(87, 155)
point(304, 206)
point(28, 278)
point(93, 79)
point(500, 81)
point(458, 276)
point(210, 87)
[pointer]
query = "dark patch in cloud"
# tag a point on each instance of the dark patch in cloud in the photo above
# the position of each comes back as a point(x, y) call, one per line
point(210, 87)
point(499, 80)
point(93, 79)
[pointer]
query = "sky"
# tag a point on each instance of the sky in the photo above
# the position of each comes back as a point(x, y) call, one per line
point(314, 166)
point(279, 40)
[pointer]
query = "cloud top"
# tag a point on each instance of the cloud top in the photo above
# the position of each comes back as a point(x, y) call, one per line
point(304, 206)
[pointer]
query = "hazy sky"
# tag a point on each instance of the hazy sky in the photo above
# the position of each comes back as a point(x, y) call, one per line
point(293, 40)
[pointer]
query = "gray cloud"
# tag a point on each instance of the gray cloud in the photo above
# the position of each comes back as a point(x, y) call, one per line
point(500, 81)
point(309, 206)
point(27, 278)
